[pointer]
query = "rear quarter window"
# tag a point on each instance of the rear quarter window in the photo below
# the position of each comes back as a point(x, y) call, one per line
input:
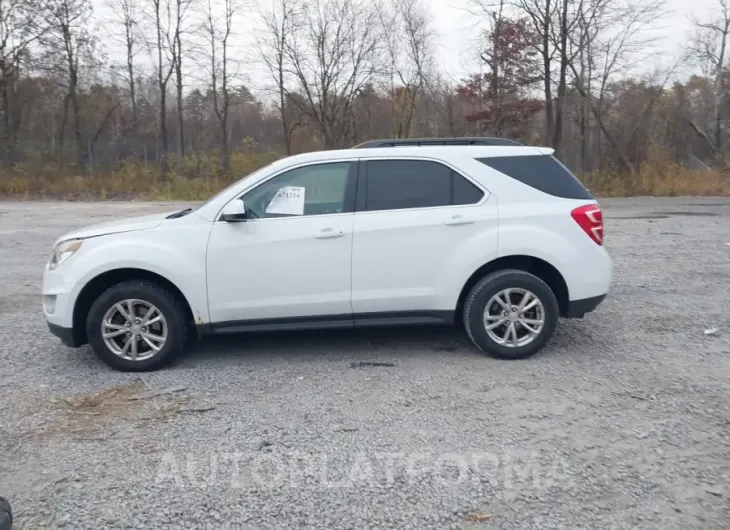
point(542, 172)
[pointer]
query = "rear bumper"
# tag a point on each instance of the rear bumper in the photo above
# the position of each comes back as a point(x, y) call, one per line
point(65, 334)
point(578, 308)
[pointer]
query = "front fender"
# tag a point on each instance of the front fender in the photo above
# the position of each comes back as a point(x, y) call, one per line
point(184, 266)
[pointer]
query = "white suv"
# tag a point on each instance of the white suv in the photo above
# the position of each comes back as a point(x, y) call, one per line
point(499, 237)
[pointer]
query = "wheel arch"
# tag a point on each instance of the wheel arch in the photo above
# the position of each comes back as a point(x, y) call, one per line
point(539, 267)
point(100, 283)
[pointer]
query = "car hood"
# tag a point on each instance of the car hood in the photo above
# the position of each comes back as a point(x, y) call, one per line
point(130, 224)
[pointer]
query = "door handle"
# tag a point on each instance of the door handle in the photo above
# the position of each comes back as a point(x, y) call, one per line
point(458, 220)
point(328, 233)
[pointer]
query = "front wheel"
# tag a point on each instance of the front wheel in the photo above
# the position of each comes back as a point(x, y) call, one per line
point(136, 326)
point(510, 314)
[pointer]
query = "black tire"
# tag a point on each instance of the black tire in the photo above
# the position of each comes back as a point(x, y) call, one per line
point(167, 303)
point(476, 302)
point(6, 515)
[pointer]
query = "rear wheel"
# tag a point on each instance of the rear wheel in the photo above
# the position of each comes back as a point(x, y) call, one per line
point(510, 314)
point(136, 326)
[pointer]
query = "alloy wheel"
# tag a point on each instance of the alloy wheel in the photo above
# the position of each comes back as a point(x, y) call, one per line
point(134, 329)
point(514, 317)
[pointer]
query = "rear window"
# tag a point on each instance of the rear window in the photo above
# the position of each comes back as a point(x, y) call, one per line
point(542, 172)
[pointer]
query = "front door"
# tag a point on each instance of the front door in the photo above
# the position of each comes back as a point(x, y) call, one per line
point(290, 260)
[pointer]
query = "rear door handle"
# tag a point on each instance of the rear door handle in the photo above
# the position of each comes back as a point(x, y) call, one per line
point(328, 233)
point(458, 220)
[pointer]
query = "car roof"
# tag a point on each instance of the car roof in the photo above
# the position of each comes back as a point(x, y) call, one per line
point(471, 151)
point(400, 142)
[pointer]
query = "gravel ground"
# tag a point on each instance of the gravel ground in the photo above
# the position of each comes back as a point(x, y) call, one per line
point(622, 422)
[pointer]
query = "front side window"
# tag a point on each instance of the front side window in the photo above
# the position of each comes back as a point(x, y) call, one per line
point(404, 184)
point(309, 190)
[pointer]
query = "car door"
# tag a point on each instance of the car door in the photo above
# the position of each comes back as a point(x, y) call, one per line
point(414, 223)
point(290, 261)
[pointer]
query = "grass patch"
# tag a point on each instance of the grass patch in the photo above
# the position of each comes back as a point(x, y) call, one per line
point(199, 176)
point(659, 178)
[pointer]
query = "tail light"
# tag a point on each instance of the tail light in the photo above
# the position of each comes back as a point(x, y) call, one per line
point(590, 219)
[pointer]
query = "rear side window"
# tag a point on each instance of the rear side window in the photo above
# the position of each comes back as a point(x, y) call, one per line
point(464, 192)
point(404, 184)
point(542, 172)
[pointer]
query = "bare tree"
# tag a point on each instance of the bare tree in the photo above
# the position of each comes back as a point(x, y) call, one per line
point(542, 14)
point(492, 55)
point(615, 35)
point(175, 44)
point(22, 24)
point(408, 38)
point(219, 31)
point(126, 13)
point(504, 92)
point(709, 44)
point(333, 56)
point(560, 39)
point(169, 17)
point(161, 15)
point(273, 46)
point(341, 71)
point(590, 20)
point(68, 41)
point(553, 21)
point(443, 104)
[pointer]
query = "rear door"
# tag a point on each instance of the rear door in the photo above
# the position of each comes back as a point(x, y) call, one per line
point(413, 219)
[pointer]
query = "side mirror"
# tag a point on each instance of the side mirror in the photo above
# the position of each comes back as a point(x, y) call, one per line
point(234, 212)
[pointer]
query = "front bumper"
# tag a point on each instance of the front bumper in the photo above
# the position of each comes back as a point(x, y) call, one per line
point(60, 290)
point(578, 308)
point(59, 296)
point(65, 334)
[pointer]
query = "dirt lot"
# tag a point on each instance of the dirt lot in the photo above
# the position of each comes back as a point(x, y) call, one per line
point(623, 422)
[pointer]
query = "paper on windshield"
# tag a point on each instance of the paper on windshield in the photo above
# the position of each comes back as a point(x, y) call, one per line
point(289, 200)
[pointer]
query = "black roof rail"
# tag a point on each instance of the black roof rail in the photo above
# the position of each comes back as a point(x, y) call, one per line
point(404, 142)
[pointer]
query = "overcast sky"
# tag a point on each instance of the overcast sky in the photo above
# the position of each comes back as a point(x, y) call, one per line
point(456, 27)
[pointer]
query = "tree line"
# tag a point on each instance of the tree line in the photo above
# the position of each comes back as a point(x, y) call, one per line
point(159, 81)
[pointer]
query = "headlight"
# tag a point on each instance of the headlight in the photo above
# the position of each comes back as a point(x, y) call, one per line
point(63, 251)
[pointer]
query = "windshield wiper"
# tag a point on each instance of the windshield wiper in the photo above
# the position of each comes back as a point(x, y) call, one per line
point(181, 213)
